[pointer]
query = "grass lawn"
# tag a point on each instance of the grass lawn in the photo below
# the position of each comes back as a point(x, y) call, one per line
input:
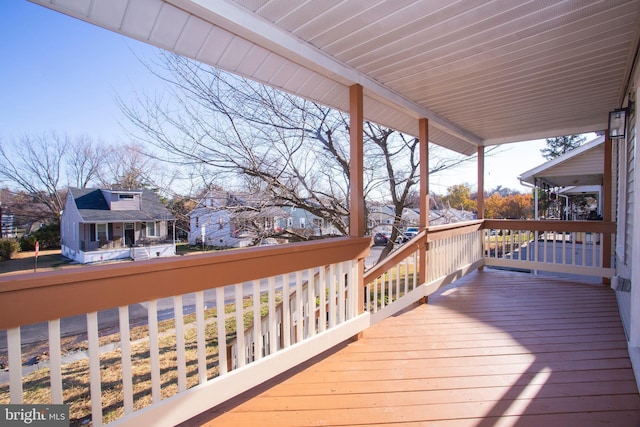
point(25, 262)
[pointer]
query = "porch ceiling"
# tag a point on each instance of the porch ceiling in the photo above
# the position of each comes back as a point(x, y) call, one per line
point(483, 72)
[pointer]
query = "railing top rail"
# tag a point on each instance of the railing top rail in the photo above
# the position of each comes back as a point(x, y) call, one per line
point(551, 225)
point(395, 257)
point(432, 233)
point(449, 230)
point(36, 297)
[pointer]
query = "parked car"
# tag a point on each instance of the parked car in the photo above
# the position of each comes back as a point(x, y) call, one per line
point(409, 233)
point(380, 239)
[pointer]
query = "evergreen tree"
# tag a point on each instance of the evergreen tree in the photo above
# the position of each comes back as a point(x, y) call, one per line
point(560, 145)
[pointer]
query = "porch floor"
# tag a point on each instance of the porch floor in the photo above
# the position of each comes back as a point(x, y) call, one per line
point(496, 348)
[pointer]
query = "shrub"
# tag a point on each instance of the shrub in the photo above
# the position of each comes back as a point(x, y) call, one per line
point(8, 247)
point(48, 235)
point(27, 243)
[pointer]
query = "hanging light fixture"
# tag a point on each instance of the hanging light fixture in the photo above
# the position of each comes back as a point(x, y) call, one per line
point(618, 123)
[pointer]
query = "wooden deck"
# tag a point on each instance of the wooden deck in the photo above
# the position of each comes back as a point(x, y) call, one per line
point(496, 348)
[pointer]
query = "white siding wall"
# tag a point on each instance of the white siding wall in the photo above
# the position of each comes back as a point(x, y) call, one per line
point(632, 234)
point(589, 161)
point(69, 228)
point(122, 204)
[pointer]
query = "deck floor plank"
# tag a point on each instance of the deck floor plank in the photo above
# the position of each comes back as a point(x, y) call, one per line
point(494, 349)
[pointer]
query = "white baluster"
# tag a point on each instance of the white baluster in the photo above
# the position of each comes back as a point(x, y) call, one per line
point(154, 352)
point(125, 357)
point(55, 362)
point(201, 341)
point(241, 354)
point(14, 355)
point(95, 383)
point(222, 335)
point(181, 357)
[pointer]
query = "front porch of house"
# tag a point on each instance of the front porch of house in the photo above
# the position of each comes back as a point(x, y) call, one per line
point(111, 241)
point(193, 333)
point(495, 348)
point(523, 331)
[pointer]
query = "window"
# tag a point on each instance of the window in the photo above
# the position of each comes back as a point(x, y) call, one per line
point(153, 230)
point(302, 223)
point(101, 232)
point(125, 196)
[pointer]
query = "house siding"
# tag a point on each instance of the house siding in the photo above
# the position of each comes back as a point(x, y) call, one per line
point(70, 235)
point(632, 236)
point(118, 204)
point(88, 209)
point(630, 192)
point(590, 160)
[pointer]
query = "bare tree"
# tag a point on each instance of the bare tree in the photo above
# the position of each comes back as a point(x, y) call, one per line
point(128, 167)
point(294, 150)
point(85, 161)
point(35, 165)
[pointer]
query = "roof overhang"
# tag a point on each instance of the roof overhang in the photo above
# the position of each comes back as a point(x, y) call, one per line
point(581, 166)
point(483, 73)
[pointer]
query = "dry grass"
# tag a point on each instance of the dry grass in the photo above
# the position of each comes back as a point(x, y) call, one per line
point(25, 262)
point(75, 378)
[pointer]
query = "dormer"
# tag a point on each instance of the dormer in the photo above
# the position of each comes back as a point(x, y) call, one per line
point(123, 200)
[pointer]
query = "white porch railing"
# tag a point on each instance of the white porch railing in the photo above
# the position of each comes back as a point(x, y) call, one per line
point(186, 334)
point(449, 252)
point(155, 333)
point(319, 299)
point(573, 247)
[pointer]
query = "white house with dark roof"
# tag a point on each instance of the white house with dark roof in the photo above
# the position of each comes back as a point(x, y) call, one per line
point(103, 225)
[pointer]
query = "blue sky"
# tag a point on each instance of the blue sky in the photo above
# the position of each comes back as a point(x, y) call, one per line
point(61, 74)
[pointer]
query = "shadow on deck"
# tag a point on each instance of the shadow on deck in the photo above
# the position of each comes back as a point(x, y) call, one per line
point(496, 348)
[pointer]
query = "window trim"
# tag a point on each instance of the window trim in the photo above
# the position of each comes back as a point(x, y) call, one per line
point(106, 230)
point(154, 226)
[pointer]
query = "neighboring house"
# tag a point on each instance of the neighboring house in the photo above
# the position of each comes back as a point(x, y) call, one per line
point(231, 219)
point(102, 225)
point(6, 226)
point(450, 216)
point(243, 219)
point(381, 217)
point(302, 222)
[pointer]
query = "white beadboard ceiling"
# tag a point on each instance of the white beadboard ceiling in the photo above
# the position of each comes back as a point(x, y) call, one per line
point(483, 72)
